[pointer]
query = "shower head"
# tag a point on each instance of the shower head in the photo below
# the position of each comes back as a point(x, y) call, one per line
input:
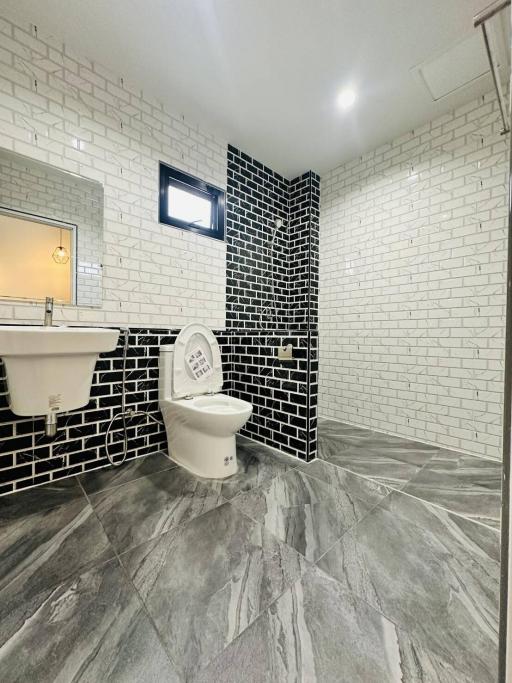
point(278, 224)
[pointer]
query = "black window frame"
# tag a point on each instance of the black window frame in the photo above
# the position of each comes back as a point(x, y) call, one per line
point(176, 178)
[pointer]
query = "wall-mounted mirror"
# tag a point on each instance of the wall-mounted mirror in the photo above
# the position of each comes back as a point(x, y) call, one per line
point(51, 233)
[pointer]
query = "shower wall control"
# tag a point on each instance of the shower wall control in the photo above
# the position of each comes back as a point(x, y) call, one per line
point(285, 352)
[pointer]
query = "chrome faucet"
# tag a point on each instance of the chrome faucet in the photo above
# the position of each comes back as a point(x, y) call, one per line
point(48, 311)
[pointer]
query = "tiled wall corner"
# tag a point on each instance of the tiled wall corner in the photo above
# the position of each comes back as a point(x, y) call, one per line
point(303, 279)
point(304, 210)
point(312, 426)
point(256, 197)
point(277, 389)
point(284, 408)
point(412, 283)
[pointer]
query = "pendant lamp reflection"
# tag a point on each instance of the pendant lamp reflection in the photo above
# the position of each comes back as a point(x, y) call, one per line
point(61, 254)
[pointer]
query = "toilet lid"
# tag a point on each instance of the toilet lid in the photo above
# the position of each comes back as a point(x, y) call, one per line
point(197, 365)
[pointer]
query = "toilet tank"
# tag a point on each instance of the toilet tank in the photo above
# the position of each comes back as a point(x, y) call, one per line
point(165, 372)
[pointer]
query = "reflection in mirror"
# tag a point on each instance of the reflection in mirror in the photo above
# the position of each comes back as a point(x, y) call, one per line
point(36, 258)
point(51, 233)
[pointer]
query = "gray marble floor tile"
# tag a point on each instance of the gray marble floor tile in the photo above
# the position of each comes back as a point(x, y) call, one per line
point(257, 463)
point(407, 453)
point(364, 436)
point(435, 574)
point(338, 477)
point(376, 466)
point(249, 444)
point(336, 438)
point(41, 498)
point(303, 511)
point(108, 477)
point(316, 632)
point(39, 551)
point(337, 427)
point(90, 628)
point(144, 508)
point(205, 582)
point(461, 483)
point(420, 665)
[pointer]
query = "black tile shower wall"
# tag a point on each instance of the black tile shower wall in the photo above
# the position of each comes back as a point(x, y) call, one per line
point(304, 214)
point(272, 299)
point(29, 458)
point(259, 255)
point(303, 300)
point(314, 250)
point(255, 198)
point(312, 394)
point(277, 389)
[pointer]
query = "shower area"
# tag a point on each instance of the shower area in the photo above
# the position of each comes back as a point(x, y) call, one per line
point(272, 301)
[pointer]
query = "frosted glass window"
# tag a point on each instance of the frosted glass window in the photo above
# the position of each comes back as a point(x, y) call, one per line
point(189, 208)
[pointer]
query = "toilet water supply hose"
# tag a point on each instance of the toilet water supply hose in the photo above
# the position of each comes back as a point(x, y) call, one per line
point(125, 414)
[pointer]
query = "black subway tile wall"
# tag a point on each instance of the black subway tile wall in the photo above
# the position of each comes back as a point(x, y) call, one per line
point(255, 198)
point(304, 214)
point(280, 392)
point(272, 299)
point(28, 457)
point(272, 273)
point(277, 389)
point(312, 394)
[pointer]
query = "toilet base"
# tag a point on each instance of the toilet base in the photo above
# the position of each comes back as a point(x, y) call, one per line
point(204, 455)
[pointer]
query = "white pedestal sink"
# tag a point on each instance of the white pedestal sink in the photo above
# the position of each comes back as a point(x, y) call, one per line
point(50, 369)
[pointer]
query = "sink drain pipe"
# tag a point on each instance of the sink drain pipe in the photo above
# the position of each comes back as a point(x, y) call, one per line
point(126, 414)
point(50, 424)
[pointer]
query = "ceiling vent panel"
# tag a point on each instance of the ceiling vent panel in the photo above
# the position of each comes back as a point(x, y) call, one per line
point(457, 67)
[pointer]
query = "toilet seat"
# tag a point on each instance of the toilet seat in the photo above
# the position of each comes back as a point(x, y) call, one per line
point(197, 365)
point(219, 404)
point(216, 404)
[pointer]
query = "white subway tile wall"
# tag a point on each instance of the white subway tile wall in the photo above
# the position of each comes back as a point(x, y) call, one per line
point(412, 284)
point(74, 114)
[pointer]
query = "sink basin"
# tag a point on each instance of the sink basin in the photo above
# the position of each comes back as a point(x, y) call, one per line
point(50, 369)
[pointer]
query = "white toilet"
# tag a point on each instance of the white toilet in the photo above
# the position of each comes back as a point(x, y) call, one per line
point(200, 422)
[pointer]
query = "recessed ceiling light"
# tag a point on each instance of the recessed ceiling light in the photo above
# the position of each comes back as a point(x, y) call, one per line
point(346, 98)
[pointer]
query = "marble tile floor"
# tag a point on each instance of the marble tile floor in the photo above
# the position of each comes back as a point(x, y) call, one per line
point(331, 571)
point(464, 484)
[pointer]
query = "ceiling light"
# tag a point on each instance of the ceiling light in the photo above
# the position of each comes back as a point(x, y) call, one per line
point(346, 98)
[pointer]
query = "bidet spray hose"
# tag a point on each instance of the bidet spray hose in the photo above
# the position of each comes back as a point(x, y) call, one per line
point(124, 415)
